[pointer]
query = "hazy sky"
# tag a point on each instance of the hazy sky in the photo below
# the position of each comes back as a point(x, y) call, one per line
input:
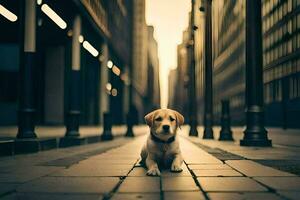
point(169, 18)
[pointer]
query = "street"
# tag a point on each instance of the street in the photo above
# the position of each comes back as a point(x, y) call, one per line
point(81, 82)
point(110, 170)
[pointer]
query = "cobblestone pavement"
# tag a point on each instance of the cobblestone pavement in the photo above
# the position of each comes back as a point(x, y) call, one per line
point(111, 171)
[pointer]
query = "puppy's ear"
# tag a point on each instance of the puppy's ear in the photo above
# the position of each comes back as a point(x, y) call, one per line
point(179, 118)
point(149, 118)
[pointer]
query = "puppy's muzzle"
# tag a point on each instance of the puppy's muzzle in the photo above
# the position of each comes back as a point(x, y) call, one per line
point(166, 128)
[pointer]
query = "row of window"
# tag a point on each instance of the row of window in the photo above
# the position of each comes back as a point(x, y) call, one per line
point(230, 21)
point(283, 41)
point(287, 88)
point(236, 102)
point(282, 70)
point(279, 34)
point(274, 10)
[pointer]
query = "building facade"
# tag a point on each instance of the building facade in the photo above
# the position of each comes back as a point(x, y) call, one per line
point(280, 60)
point(281, 50)
point(229, 58)
point(139, 53)
point(152, 100)
point(105, 25)
point(178, 79)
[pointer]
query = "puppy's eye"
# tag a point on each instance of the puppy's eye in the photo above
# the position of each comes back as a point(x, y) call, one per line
point(158, 119)
point(172, 119)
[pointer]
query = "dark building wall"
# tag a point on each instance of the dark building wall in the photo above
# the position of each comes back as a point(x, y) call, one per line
point(9, 77)
point(281, 49)
point(281, 63)
point(152, 100)
point(280, 60)
point(107, 22)
point(229, 58)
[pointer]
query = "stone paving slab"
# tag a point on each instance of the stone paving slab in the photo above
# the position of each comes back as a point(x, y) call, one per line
point(138, 171)
point(251, 169)
point(290, 194)
point(140, 185)
point(95, 169)
point(210, 166)
point(110, 155)
point(84, 185)
point(194, 155)
point(179, 184)
point(243, 196)
point(141, 171)
point(230, 184)
point(277, 152)
point(130, 196)
point(168, 173)
point(26, 174)
point(183, 195)
point(216, 172)
point(103, 166)
point(281, 183)
point(107, 161)
point(7, 188)
point(93, 177)
point(24, 196)
point(92, 172)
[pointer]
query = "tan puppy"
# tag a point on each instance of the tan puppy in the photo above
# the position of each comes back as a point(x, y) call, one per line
point(162, 146)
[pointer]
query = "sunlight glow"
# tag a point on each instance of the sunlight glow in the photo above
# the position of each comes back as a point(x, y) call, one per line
point(169, 18)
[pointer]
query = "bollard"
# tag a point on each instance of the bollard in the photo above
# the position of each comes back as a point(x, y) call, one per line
point(225, 133)
point(107, 123)
point(130, 122)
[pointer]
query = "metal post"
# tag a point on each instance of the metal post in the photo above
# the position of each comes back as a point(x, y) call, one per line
point(129, 116)
point(73, 117)
point(225, 133)
point(26, 121)
point(192, 82)
point(255, 133)
point(107, 123)
point(129, 121)
point(208, 98)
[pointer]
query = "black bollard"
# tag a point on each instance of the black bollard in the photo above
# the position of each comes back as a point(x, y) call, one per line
point(255, 133)
point(130, 122)
point(107, 123)
point(225, 133)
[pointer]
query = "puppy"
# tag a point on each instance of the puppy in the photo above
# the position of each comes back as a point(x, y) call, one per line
point(162, 146)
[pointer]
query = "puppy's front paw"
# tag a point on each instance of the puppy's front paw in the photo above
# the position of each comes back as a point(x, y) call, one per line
point(153, 172)
point(176, 168)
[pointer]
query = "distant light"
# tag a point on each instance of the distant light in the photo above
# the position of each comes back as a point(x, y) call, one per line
point(114, 92)
point(101, 58)
point(108, 86)
point(40, 22)
point(80, 38)
point(55, 17)
point(110, 64)
point(90, 48)
point(7, 14)
point(70, 33)
point(39, 2)
point(116, 70)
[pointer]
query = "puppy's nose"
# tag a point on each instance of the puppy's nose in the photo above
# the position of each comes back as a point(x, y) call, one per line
point(166, 127)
